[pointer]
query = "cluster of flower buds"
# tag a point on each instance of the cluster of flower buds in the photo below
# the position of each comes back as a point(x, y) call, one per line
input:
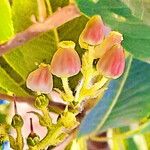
point(65, 63)
point(108, 49)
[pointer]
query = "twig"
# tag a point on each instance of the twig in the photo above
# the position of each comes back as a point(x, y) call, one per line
point(17, 98)
point(30, 100)
point(61, 16)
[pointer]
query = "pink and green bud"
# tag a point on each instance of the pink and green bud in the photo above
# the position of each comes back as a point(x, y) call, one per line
point(40, 80)
point(112, 63)
point(93, 32)
point(66, 61)
point(112, 39)
point(33, 138)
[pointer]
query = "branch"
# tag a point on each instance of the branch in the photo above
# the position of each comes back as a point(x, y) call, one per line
point(30, 100)
point(61, 16)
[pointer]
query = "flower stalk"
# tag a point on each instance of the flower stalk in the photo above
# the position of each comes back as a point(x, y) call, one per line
point(67, 89)
point(50, 138)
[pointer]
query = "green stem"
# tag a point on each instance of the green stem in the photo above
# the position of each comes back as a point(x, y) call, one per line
point(49, 139)
point(129, 133)
point(67, 89)
point(99, 84)
point(49, 7)
point(19, 139)
point(89, 67)
point(87, 71)
point(119, 136)
point(55, 30)
point(42, 10)
point(47, 117)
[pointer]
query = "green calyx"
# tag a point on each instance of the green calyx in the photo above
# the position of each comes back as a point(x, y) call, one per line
point(66, 44)
point(68, 120)
point(33, 139)
point(41, 102)
point(17, 121)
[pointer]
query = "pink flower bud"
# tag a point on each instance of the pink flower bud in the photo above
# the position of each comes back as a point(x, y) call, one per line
point(40, 80)
point(66, 61)
point(93, 32)
point(112, 63)
point(112, 39)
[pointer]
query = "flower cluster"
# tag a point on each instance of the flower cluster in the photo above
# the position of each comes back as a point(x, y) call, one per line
point(105, 48)
point(66, 62)
point(103, 60)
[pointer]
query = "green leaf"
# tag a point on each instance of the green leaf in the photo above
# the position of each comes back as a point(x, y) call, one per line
point(6, 26)
point(126, 100)
point(21, 61)
point(140, 9)
point(118, 16)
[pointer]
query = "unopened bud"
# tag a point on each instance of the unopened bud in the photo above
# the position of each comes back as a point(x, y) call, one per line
point(93, 32)
point(112, 63)
point(17, 121)
point(112, 39)
point(66, 61)
point(33, 138)
point(40, 80)
point(41, 102)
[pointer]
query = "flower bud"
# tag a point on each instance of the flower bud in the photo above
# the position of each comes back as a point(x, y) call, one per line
point(40, 80)
point(41, 102)
point(112, 63)
point(112, 39)
point(93, 32)
point(66, 61)
point(17, 121)
point(33, 138)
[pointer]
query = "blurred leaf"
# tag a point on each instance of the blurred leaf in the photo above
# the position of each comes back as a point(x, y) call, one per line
point(6, 26)
point(3, 112)
point(118, 16)
point(126, 100)
point(147, 138)
point(129, 143)
point(140, 9)
point(21, 61)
